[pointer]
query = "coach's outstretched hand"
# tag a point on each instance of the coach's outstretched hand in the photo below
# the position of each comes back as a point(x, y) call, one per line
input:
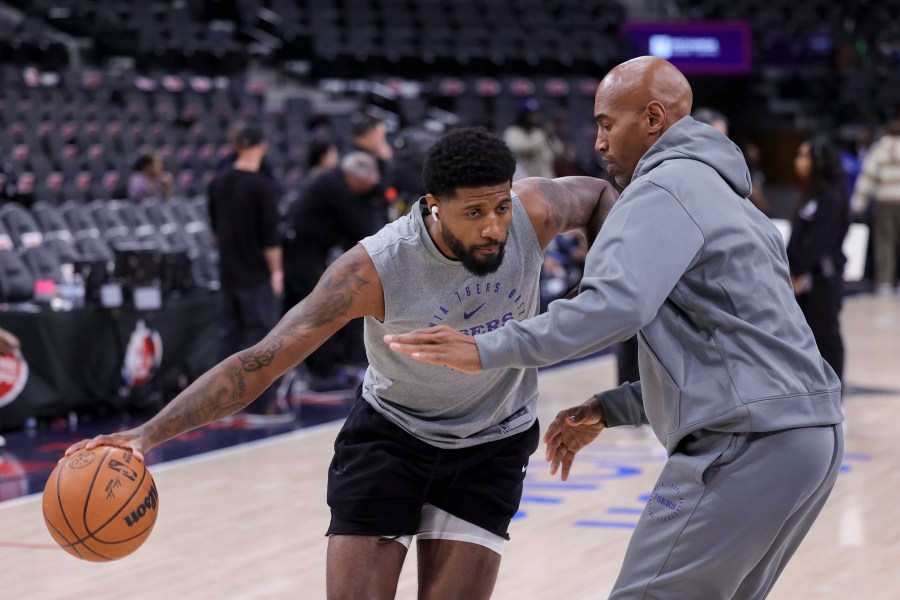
point(130, 440)
point(440, 345)
point(571, 430)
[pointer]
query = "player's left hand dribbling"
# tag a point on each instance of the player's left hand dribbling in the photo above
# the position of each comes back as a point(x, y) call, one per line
point(129, 440)
point(440, 345)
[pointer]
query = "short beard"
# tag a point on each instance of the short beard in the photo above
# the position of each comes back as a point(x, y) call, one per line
point(468, 259)
point(622, 180)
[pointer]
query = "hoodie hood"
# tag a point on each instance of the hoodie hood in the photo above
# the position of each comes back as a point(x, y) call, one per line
point(692, 139)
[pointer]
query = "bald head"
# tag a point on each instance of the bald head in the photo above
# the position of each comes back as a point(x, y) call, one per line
point(640, 81)
point(636, 103)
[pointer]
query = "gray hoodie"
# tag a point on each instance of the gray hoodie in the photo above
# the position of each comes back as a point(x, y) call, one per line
point(685, 260)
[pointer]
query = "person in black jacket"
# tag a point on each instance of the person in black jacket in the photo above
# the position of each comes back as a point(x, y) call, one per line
point(332, 210)
point(819, 225)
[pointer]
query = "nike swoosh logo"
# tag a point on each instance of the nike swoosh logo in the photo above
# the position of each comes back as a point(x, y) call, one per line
point(467, 315)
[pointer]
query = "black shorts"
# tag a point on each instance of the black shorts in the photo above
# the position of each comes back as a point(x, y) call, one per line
point(381, 476)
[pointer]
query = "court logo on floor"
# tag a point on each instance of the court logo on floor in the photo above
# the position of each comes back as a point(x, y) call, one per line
point(665, 502)
point(13, 376)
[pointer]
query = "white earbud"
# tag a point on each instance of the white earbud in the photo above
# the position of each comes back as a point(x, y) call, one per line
point(434, 212)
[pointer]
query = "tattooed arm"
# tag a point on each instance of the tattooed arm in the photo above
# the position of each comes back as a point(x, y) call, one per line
point(350, 288)
point(565, 204)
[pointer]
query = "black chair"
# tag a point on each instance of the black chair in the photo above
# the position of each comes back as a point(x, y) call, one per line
point(65, 252)
point(94, 248)
point(80, 219)
point(163, 216)
point(21, 225)
point(42, 263)
point(6, 241)
point(16, 281)
point(110, 221)
point(135, 217)
point(52, 222)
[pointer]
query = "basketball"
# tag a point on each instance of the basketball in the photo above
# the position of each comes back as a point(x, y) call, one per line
point(100, 504)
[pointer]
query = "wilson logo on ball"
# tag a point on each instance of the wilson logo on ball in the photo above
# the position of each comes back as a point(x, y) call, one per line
point(148, 504)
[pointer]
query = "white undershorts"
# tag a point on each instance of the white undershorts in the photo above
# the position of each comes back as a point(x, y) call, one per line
point(437, 524)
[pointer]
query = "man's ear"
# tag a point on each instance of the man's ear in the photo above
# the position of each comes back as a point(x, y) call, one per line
point(656, 116)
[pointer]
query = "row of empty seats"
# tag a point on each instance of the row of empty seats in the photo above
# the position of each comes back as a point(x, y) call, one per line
point(353, 36)
point(78, 137)
point(94, 237)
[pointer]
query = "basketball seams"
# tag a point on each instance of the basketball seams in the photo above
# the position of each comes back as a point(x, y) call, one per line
point(90, 492)
point(62, 508)
point(60, 533)
point(103, 556)
point(96, 539)
point(143, 532)
point(136, 535)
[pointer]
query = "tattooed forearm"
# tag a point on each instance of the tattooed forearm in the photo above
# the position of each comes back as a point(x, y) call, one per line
point(332, 298)
point(219, 393)
point(237, 378)
point(256, 359)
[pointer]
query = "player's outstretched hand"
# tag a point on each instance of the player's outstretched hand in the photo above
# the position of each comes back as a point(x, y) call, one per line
point(571, 430)
point(440, 345)
point(130, 440)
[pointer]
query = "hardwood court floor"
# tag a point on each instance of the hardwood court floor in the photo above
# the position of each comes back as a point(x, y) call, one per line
point(247, 522)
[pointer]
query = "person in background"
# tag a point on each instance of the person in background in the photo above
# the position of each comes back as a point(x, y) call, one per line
point(370, 136)
point(853, 154)
point(814, 252)
point(533, 148)
point(150, 180)
point(244, 218)
point(225, 162)
point(713, 118)
point(323, 154)
point(879, 181)
point(332, 212)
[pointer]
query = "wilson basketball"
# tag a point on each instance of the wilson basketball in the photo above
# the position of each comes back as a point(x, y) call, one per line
point(100, 504)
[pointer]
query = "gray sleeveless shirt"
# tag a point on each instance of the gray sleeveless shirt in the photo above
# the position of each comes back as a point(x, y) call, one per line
point(423, 288)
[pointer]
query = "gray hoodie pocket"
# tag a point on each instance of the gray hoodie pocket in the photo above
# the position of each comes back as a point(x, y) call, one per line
point(662, 397)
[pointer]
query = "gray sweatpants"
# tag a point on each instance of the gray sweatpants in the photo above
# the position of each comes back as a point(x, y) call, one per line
point(728, 512)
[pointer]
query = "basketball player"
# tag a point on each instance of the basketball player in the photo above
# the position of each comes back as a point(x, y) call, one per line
point(731, 380)
point(425, 450)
